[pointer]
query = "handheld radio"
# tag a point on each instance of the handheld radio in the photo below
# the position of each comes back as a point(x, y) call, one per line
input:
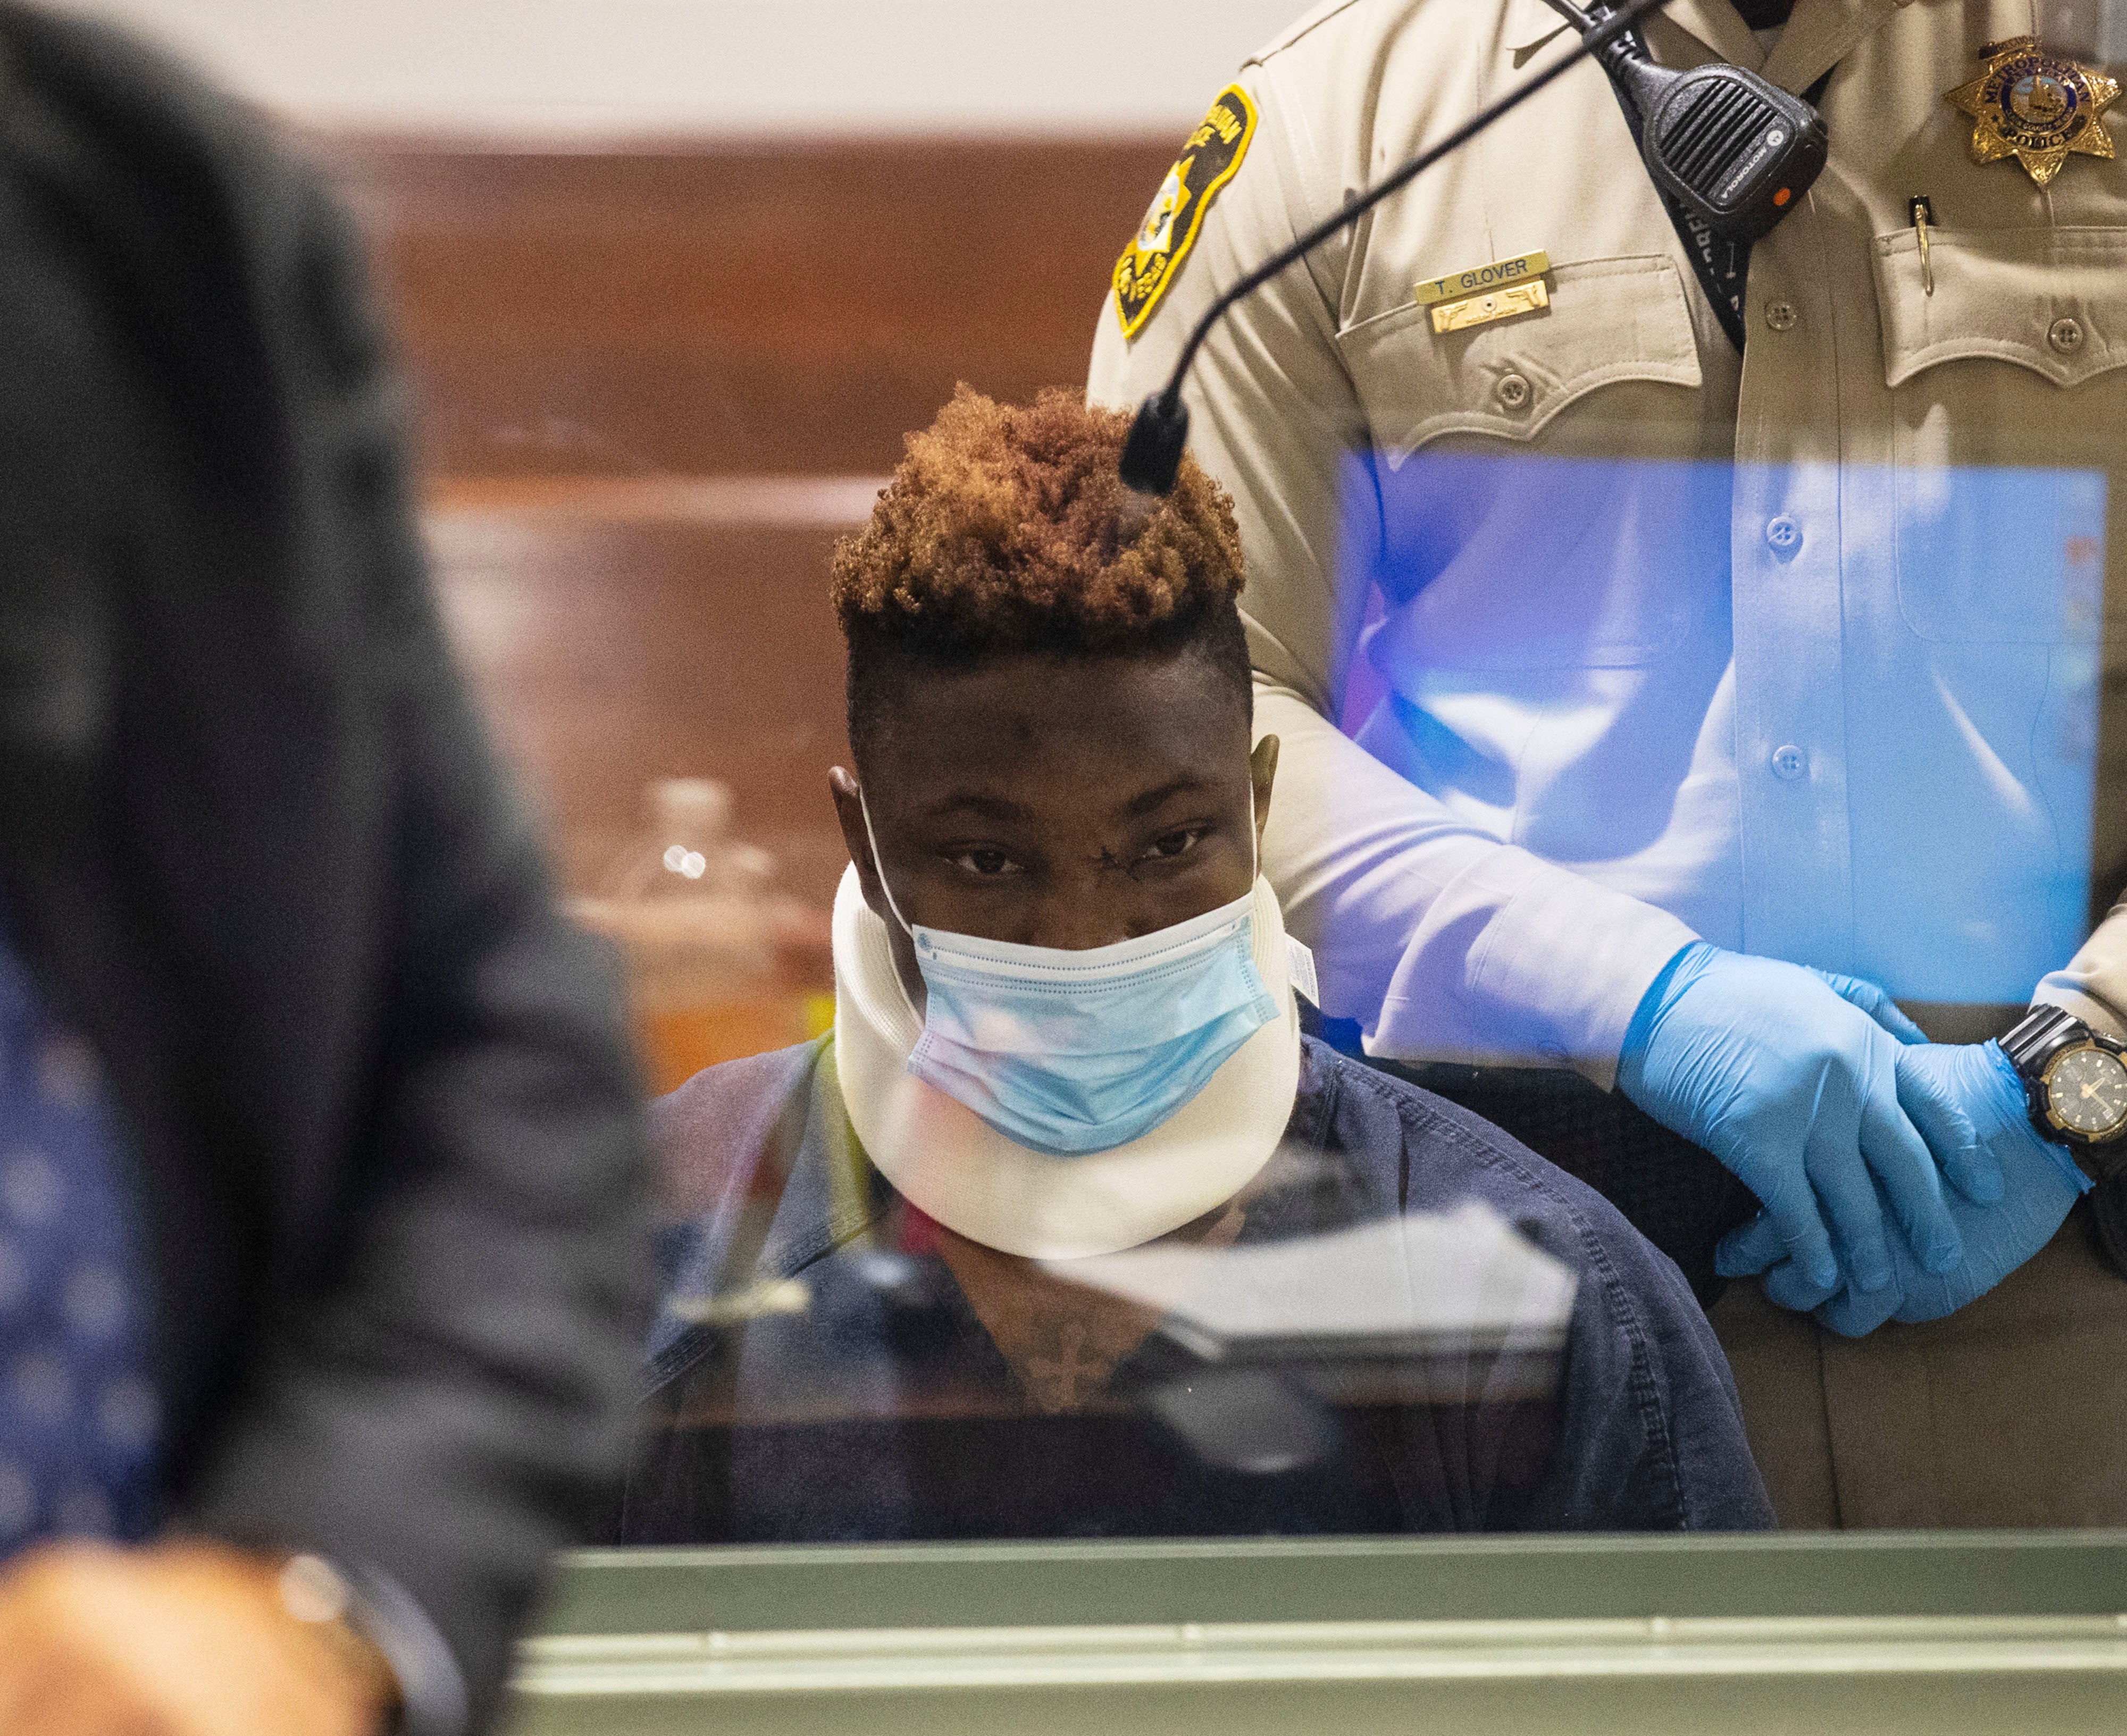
point(1737, 150)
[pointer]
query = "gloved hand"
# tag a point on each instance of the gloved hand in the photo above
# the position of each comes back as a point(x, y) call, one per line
point(1965, 1098)
point(1790, 1076)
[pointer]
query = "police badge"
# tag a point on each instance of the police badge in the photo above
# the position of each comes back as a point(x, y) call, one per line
point(2037, 107)
point(1208, 161)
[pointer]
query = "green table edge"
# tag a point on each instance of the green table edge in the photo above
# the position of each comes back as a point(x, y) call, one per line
point(1936, 1630)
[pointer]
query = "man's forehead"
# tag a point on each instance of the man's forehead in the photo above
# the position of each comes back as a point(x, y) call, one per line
point(1181, 690)
point(1119, 764)
point(998, 797)
point(1134, 724)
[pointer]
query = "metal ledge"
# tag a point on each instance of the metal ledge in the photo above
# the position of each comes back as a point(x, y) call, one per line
point(861, 1660)
point(1941, 1633)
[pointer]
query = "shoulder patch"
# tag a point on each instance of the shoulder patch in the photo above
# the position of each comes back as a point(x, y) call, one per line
point(1207, 163)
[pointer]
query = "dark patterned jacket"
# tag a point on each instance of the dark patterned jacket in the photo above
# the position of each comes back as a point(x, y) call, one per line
point(253, 846)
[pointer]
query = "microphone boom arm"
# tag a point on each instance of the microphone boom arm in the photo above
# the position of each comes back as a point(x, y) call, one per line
point(1152, 455)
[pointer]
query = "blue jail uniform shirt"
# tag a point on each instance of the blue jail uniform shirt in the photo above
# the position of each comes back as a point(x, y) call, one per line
point(863, 1417)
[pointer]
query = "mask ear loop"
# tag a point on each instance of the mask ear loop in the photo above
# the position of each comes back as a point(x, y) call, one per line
point(878, 865)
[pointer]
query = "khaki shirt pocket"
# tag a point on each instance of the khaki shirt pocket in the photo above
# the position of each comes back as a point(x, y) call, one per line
point(2054, 300)
point(2004, 427)
point(1615, 561)
point(1609, 321)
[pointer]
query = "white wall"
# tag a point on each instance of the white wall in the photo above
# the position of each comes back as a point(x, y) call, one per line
point(664, 67)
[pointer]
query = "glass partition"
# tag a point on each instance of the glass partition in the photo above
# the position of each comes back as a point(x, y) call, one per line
point(1753, 598)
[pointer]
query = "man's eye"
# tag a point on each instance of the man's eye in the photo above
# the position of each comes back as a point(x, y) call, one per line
point(1173, 844)
point(986, 864)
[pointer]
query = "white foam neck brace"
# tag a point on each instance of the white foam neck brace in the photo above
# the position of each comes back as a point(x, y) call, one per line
point(954, 1166)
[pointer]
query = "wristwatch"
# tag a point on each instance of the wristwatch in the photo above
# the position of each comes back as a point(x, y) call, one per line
point(2075, 1079)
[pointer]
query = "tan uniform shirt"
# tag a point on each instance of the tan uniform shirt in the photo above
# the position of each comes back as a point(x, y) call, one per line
point(1799, 652)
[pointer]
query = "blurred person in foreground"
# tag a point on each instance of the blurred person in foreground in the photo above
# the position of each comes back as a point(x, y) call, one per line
point(318, 1152)
point(1065, 1026)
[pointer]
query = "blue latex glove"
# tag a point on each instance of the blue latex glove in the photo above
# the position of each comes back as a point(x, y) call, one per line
point(1964, 1098)
point(1790, 1076)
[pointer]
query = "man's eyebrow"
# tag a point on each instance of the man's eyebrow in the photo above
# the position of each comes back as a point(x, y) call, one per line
point(987, 807)
point(1186, 785)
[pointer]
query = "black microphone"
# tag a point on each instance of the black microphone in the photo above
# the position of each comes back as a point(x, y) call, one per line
point(1152, 454)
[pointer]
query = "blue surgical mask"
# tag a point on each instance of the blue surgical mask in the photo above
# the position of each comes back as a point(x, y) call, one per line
point(1070, 1052)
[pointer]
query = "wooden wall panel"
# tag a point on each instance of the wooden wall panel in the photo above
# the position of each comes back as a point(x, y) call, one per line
point(608, 352)
point(611, 649)
point(753, 309)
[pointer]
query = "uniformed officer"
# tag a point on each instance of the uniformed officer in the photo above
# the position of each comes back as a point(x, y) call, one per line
point(1720, 637)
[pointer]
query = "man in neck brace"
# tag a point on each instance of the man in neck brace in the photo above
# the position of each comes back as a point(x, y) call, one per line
point(1068, 1025)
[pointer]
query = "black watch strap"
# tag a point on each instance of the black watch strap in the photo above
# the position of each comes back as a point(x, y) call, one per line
point(2037, 1035)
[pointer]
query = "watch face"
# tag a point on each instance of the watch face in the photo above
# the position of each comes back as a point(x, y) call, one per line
point(2086, 1091)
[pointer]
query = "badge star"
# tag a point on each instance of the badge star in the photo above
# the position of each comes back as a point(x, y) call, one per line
point(2038, 107)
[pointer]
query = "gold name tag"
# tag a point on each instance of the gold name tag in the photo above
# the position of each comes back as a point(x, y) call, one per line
point(1526, 298)
point(1500, 274)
